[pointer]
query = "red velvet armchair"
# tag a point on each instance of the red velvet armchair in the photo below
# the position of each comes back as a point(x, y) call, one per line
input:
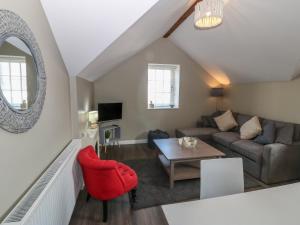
point(106, 179)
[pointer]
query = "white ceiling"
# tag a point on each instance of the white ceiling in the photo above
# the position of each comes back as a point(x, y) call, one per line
point(152, 26)
point(258, 41)
point(83, 29)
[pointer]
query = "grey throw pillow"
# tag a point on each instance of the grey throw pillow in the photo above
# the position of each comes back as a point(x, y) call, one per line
point(285, 134)
point(206, 121)
point(268, 134)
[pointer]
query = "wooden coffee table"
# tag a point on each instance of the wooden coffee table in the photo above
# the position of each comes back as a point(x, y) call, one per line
point(187, 160)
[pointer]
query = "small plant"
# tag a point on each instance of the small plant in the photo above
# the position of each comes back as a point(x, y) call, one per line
point(107, 134)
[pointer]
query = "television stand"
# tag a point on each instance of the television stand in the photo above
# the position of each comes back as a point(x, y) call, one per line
point(115, 135)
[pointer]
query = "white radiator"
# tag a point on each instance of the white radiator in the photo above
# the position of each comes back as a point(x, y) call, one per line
point(51, 200)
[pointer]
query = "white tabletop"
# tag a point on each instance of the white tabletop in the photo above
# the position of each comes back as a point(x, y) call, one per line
point(273, 206)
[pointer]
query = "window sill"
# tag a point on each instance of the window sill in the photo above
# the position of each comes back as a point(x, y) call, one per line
point(157, 108)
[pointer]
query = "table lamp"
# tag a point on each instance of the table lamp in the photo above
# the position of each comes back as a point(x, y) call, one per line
point(93, 119)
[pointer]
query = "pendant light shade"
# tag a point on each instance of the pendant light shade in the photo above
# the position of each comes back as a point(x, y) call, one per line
point(208, 13)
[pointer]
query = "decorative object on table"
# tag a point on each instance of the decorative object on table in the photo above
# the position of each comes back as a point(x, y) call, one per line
point(188, 142)
point(17, 117)
point(24, 105)
point(217, 93)
point(107, 136)
point(93, 119)
point(208, 13)
point(151, 105)
point(156, 134)
point(106, 179)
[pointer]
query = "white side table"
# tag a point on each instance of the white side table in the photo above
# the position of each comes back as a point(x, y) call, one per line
point(91, 137)
point(115, 132)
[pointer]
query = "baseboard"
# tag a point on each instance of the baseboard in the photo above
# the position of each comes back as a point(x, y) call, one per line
point(133, 142)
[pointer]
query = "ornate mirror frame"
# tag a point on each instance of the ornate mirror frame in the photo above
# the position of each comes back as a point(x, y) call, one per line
point(12, 120)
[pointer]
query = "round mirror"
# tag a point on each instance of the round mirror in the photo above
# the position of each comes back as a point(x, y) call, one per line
point(22, 75)
point(18, 74)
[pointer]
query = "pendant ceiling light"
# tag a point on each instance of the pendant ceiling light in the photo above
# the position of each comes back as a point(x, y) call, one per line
point(208, 13)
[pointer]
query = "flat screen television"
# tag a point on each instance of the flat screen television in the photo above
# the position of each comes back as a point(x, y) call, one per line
point(109, 111)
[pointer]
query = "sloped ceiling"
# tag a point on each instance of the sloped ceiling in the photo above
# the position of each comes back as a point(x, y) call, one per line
point(148, 29)
point(83, 29)
point(258, 41)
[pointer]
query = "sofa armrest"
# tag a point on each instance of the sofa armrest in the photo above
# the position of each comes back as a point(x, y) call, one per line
point(280, 163)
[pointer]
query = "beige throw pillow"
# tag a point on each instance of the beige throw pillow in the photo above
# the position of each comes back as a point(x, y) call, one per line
point(226, 121)
point(250, 129)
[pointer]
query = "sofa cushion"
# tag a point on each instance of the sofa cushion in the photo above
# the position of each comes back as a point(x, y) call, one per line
point(226, 138)
point(226, 121)
point(211, 121)
point(268, 135)
point(203, 133)
point(248, 149)
point(250, 129)
point(208, 121)
point(285, 134)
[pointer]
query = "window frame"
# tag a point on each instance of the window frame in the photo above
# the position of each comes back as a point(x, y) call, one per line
point(14, 59)
point(174, 83)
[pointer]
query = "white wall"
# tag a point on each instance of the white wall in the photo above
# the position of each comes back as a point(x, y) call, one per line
point(85, 103)
point(127, 83)
point(272, 100)
point(24, 156)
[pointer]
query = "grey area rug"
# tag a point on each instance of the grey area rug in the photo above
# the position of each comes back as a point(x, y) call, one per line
point(153, 189)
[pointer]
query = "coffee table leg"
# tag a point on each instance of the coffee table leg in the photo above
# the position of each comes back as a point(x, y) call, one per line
point(171, 174)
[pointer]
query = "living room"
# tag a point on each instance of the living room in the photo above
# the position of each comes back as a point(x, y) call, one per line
point(179, 111)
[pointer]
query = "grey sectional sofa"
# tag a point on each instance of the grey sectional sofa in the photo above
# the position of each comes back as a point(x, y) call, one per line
point(271, 163)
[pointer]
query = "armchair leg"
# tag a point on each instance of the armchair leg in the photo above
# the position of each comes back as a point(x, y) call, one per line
point(88, 196)
point(132, 197)
point(133, 194)
point(104, 215)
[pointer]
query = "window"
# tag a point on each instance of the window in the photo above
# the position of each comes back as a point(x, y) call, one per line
point(13, 80)
point(163, 86)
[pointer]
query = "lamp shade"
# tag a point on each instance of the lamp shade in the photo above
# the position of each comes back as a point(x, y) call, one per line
point(93, 117)
point(208, 13)
point(217, 92)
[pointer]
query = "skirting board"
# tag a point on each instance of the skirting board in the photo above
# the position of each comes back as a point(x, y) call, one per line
point(133, 142)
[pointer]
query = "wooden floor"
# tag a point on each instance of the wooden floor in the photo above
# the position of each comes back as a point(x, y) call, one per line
point(119, 210)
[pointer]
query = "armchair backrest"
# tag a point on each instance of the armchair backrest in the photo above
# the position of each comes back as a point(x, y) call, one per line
point(101, 177)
